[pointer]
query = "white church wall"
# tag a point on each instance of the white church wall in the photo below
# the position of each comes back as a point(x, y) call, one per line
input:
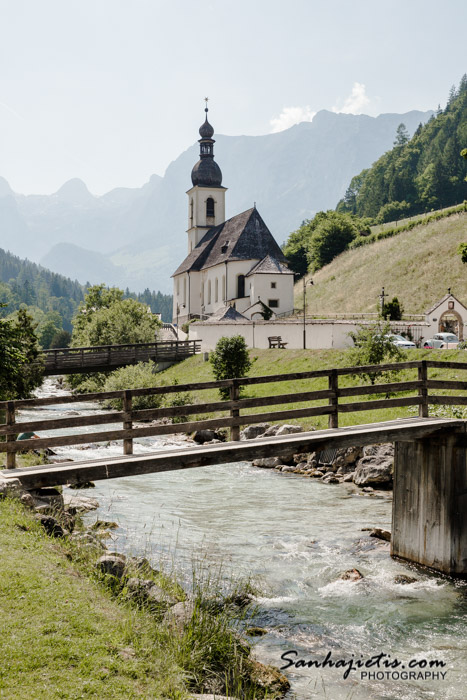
point(319, 334)
point(433, 319)
point(273, 287)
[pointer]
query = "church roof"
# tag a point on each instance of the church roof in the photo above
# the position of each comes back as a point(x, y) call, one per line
point(227, 313)
point(269, 265)
point(243, 237)
point(441, 301)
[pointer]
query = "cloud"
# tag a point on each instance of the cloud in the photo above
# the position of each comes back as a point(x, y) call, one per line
point(290, 116)
point(357, 102)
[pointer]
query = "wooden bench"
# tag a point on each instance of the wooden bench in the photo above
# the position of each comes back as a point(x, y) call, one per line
point(275, 341)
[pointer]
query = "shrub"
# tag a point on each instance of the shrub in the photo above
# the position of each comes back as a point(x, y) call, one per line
point(230, 359)
point(392, 310)
point(140, 376)
point(372, 346)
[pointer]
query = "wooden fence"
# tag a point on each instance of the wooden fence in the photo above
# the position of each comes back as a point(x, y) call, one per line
point(331, 396)
point(108, 357)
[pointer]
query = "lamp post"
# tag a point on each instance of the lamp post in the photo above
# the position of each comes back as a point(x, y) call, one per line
point(305, 282)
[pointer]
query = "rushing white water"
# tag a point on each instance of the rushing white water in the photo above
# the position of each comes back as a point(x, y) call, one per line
point(298, 535)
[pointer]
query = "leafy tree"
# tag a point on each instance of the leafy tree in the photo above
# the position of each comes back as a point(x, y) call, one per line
point(21, 369)
point(462, 250)
point(392, 211)
point(392, 310)
point(295, 249)
point(62, 339)
point(331, 237)
point(229, 360)
point(373, 346)
point(402, 136)
point(105, 318)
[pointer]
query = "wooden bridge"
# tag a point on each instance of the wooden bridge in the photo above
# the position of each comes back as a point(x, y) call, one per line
point(105, 358)
point(430, 479)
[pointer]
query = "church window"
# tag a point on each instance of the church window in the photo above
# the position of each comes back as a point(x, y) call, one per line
point(209, 292)
point(273, 303)
point(202, 293)
point(210, 207)
point(273, 285)
point(178, 286)
point(191, 212)
point(184, 290)
point(240, 286)
point(224, 294)
point(216, 290)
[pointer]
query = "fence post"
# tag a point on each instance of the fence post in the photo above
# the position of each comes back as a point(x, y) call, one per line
point(234, 412)
point(423, 390)
point(128, 423)
point(333, 419)
point(10, 420)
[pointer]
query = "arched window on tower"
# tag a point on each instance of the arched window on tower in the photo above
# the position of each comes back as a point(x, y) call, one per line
point(240, 286)
point(191, 212)
point(216, 290)
point(209, 292)
point(224, 293)
point(210, 208)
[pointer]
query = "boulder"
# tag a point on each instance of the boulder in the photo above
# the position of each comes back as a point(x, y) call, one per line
point(289, 429)
point(269, 678)
point(79, 504)
point(202, 436)
point(301, 457)
point(349, 476)
point(330, 478)
point(267, 462)
point(51, 525)
point(27, 500)
point(346, 458)
point(147, 592)
point(10, 487)
point(404, 579)
point(254, 431)
point(111, 564)
point(180, 614)
point(376, 466)
point(271, 431)
point(288, 468)
point(351, 575)
point(381, 534)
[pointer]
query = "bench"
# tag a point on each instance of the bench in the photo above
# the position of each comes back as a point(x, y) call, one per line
point(275, 341)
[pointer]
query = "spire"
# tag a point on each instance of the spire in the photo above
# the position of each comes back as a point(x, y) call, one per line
point(206, 172)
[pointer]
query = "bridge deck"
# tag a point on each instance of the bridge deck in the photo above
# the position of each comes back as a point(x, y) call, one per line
point(205, 455)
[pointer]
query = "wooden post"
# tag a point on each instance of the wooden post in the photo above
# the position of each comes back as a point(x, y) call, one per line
point(10, 420)
point(127, 422)
point(234, 412)
point(423, 390)
point(333, 420)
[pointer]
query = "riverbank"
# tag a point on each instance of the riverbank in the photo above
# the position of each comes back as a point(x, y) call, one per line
point(73, 628)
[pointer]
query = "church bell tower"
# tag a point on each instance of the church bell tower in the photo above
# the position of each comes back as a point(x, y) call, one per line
point(206, 199)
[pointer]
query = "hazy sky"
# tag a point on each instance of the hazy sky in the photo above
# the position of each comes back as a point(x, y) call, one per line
point(112, 91)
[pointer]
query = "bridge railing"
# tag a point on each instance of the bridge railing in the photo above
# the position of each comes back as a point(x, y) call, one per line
point(88, 358)
point(330, 401)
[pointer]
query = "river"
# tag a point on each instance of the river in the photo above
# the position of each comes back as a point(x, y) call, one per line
point(297, 535)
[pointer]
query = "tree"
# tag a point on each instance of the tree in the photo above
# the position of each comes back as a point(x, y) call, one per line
point(392, 310)
point(21, 369)
point(62, 339)
point(402, 136)
point(331, 237)
point(105, 318)
point(462, 251)
point(229, 360)
point(373, 346)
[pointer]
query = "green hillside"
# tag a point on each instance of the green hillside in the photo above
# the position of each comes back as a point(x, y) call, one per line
point(418, 174)
point(417, 266)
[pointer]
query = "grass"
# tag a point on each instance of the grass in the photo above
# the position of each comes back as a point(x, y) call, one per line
point(417, 266)
point(65, 633)
point(287, 361)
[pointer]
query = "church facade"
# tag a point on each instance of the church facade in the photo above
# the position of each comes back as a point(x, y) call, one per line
point(234, 265)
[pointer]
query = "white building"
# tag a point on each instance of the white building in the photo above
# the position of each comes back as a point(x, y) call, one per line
point(235, 263)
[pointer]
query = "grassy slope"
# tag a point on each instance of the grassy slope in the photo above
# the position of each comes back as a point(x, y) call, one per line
point(284, 361)
point(416, 266)
point(62, 635)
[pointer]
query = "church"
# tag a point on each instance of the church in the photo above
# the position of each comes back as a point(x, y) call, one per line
point(234, 268)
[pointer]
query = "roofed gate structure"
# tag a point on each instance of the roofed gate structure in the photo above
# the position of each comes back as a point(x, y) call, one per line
point(234, 263)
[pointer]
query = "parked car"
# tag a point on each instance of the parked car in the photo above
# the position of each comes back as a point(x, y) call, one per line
point(400, 341)
point(442, 340)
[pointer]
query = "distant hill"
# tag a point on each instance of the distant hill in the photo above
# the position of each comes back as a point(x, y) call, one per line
point(53, 297)
point(141, 232)
point(418, 174)
point(417, 266)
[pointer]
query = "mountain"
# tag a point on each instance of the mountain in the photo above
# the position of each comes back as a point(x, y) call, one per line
point(141, 231)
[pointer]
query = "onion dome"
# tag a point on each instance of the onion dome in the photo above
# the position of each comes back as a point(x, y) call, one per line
point(206, 172)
